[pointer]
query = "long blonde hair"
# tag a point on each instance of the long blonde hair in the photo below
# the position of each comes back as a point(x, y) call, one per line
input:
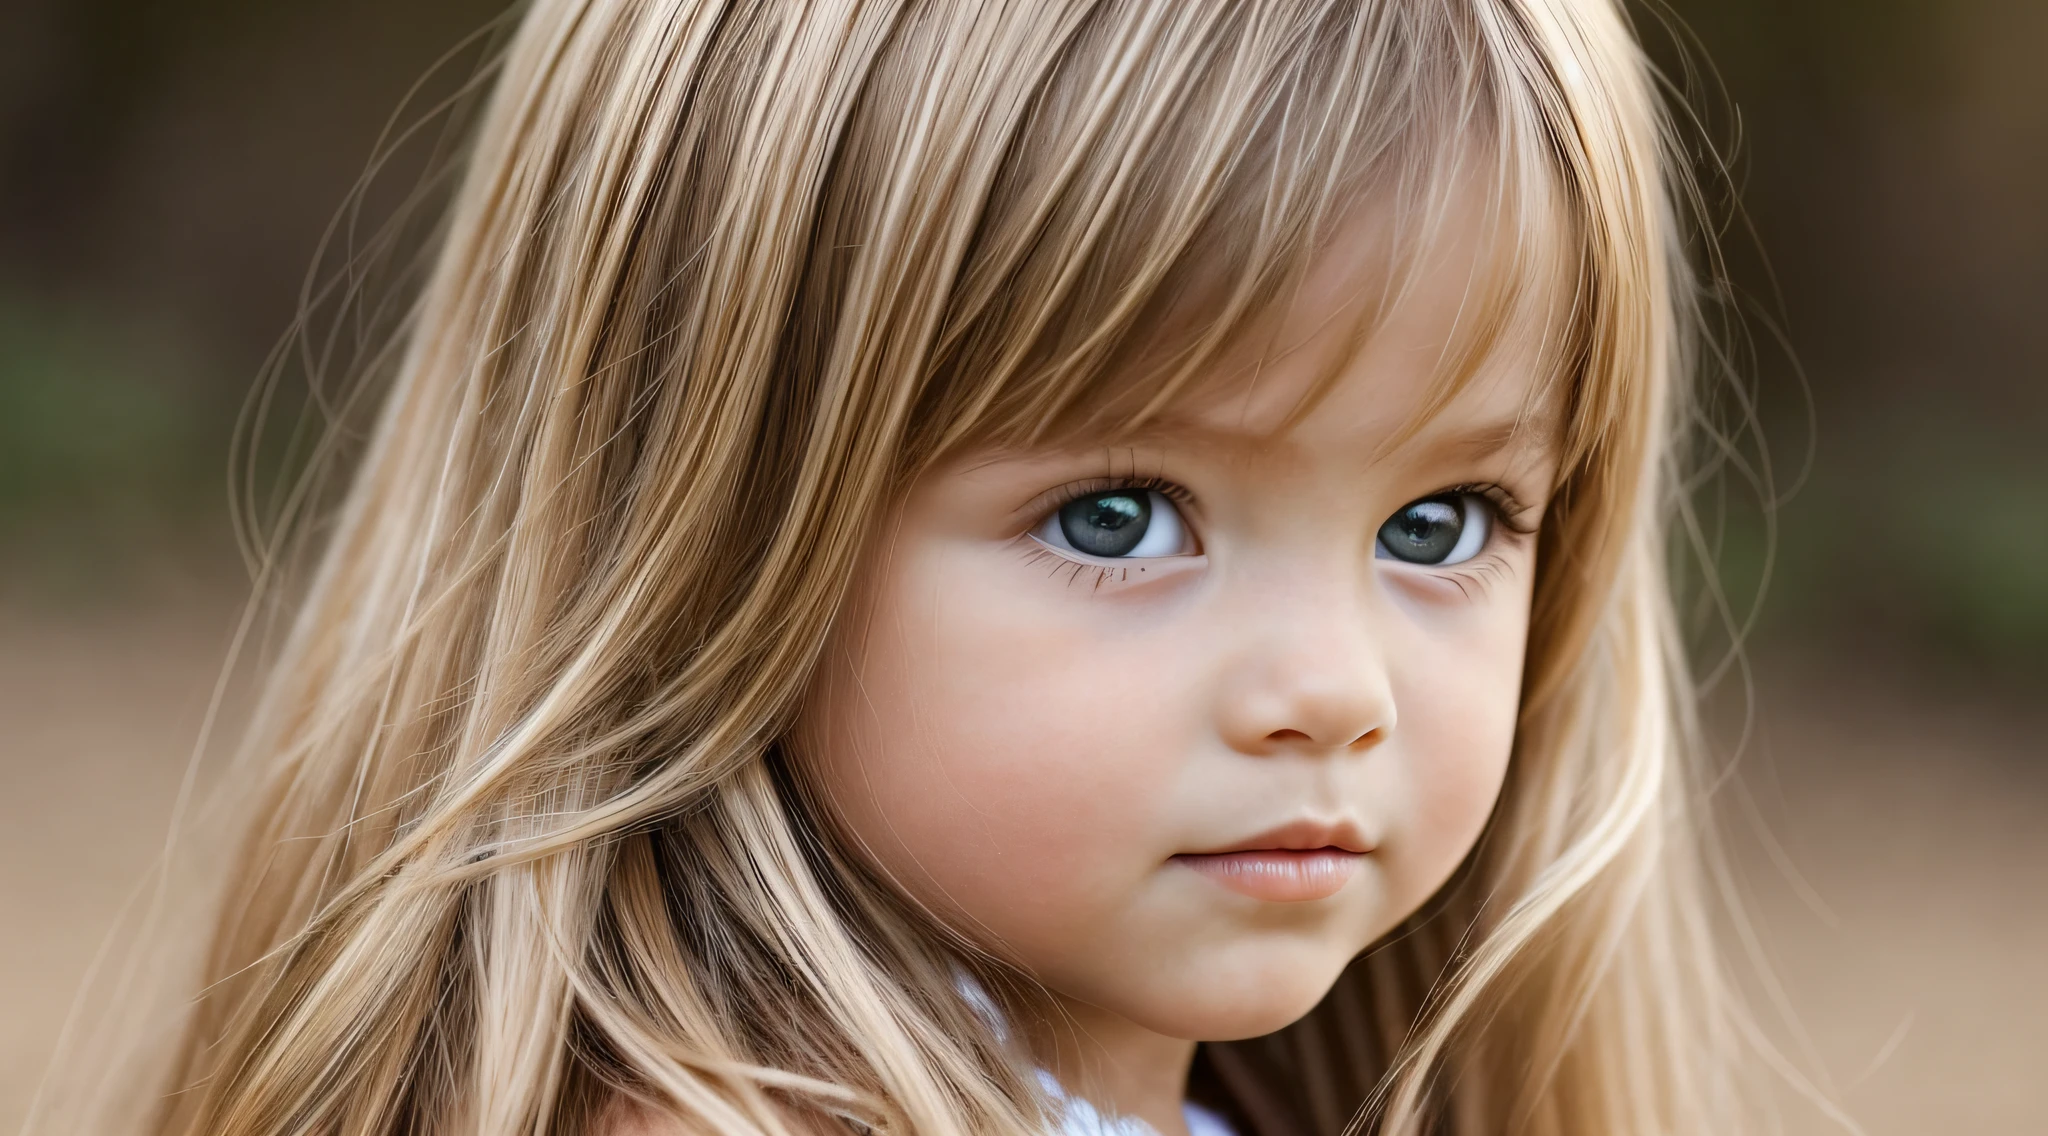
point(723, 274)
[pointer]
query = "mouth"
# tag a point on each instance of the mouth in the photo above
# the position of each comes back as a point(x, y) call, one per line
point(1296, 863)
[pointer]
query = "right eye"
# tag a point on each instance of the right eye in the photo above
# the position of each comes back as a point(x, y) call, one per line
point(1117, 524)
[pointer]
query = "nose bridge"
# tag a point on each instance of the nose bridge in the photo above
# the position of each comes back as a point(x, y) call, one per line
point(1312, 666)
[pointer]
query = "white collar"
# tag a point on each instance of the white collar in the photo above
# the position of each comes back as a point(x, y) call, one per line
point(1080, 1117)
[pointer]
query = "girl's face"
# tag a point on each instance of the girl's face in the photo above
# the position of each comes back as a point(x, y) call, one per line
point(1181, 724)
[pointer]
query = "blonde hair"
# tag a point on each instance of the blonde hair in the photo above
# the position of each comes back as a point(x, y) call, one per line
point(722, 276)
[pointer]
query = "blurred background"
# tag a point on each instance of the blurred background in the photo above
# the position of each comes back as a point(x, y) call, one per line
point(167, 172)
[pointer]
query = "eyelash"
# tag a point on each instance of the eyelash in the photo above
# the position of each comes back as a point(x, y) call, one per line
point(1072, 491)
point(1104, 573)
point(1505, 505)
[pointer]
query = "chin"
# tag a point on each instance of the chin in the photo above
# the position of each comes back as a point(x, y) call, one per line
point(1230, 1001)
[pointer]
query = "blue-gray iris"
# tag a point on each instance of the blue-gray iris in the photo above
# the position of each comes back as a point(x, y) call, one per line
point(1424, 532)
point(1107, 524)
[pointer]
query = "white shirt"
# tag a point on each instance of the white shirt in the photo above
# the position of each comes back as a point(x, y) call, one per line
point(1080, 1117)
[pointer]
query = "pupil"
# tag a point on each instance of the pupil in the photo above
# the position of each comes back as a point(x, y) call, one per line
point(1424, 532)
point(1107, 524)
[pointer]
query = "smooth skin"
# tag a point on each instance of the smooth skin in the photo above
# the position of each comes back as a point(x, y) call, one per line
point(1040, 745)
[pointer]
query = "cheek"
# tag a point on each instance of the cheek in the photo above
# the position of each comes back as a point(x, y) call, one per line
point(1459, 694)
point(971, 756)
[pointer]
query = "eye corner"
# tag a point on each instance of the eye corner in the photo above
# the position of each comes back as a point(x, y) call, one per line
point(1511, 511)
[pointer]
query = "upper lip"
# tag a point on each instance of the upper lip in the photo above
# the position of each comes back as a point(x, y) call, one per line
point(1304, 835)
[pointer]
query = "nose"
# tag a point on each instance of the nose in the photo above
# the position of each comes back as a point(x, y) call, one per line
point(1309, 676)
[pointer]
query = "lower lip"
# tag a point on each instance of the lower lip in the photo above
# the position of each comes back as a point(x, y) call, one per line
point(1279, 875)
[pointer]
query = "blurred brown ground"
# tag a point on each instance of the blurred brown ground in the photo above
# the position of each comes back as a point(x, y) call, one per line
point(166, 171)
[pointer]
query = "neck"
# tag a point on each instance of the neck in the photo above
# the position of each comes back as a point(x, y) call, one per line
point(1122, 1068)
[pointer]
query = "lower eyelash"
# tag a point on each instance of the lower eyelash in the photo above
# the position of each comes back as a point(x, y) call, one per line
point(1475, 576)
point(1075, 569)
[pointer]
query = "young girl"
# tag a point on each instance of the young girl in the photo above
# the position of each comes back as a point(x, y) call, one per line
point(1000, 567)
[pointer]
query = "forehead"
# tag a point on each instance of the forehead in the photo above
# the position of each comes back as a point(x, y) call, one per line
point(1451, 340)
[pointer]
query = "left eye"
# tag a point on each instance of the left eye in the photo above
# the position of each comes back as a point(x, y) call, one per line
point(1450, 528)
point(1118, 524)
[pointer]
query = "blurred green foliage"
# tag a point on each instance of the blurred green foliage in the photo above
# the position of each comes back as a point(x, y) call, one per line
point(1943, 540)
point(1938, 547)
point(111, 451)
point(87, 426)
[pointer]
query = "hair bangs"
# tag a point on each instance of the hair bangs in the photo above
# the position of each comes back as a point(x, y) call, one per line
point(1123, 253)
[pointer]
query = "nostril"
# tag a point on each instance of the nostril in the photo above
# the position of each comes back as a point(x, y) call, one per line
point(1367, 739)
point(1299, 738)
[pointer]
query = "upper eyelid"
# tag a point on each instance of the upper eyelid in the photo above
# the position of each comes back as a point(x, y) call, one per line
point(1072, 491)
point(1507, 508)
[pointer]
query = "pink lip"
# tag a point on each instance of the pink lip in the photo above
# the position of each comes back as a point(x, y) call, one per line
point(1295, 863)
point(1279, 875)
